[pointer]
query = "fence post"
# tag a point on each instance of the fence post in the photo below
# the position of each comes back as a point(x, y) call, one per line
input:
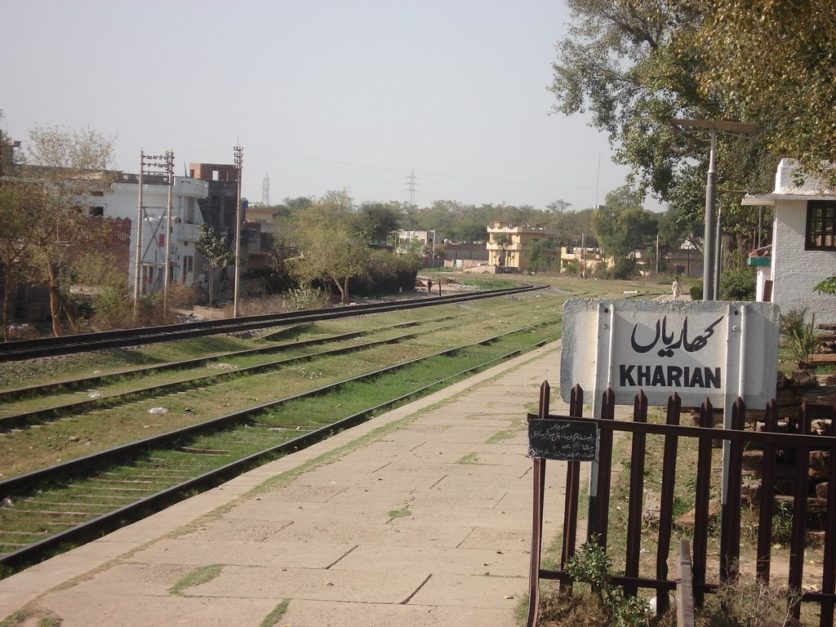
point(570, 509)
point(539, 471)
point(701, 503)
point(730, 524)
point(666, 504)
point(604, 469)
point(767, 496)
point(684, 588)
point(634, 520)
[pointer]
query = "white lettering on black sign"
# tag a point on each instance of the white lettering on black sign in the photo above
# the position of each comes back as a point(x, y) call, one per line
point(562, 439)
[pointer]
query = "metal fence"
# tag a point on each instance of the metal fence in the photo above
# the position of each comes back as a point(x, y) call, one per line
point(769, 440)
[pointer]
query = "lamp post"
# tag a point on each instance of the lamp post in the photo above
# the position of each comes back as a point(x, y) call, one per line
point(709, 243)
point(239, 160)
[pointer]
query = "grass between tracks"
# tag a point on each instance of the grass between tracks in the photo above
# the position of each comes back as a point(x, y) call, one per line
point(80, 434)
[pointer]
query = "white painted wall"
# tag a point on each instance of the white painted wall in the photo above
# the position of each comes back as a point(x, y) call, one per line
point(121, 202)
point(795, 271)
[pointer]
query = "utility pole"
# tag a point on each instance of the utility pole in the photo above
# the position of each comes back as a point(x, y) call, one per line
point(138, 240)
point(169, 168)
point(239, 160)
point(709, 242)
point(657, 254)
point(148, 164)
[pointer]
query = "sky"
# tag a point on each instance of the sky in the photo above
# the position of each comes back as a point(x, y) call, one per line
point(321, 94)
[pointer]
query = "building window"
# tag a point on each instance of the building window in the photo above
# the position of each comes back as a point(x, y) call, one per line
point(188, 265)
point(821, 225)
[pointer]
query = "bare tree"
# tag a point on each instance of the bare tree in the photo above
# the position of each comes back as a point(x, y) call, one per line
point(69, 165)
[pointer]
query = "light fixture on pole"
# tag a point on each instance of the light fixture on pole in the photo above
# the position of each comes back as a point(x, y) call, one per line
point(709, 244)
point(239, 161)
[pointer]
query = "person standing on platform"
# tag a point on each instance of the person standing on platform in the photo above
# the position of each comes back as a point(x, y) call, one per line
point(676, 289)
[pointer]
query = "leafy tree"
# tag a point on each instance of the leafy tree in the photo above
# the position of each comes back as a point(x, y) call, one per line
point(20, 207)
point(71, 165)
point(217, 253)
point(543, 255)
point(623, 225)
point(771, 63)
point(376, 220)
point(636, 65)
point(332, 249)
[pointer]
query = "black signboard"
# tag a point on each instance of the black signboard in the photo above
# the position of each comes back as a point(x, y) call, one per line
point(562, 439)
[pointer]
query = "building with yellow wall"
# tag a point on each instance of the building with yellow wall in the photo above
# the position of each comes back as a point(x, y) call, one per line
point(510, 245)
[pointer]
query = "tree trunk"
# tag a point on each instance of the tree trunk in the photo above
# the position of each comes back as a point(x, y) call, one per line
point(68, 309)
point(211, 286)
point(341, 290)
point(345, 291)
point(7, 293)
point(54, 301)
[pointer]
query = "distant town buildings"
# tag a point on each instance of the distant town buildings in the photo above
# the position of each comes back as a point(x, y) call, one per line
point(511, 246)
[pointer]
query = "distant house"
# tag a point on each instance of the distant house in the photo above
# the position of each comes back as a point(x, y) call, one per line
point(511, 245)
point(581, 260)
point(803, 250)
point(120, 202)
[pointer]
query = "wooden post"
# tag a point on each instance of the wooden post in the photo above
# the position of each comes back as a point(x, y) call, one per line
point(684, 588)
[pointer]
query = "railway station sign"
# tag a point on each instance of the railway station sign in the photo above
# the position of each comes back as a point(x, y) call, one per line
point(718, 350)
point(562, 438)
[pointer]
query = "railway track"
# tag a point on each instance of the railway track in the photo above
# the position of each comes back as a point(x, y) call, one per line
point(11, 419)
point(80, 500)
point(68, 344)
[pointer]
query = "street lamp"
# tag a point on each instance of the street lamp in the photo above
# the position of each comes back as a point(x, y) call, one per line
point(709, 291)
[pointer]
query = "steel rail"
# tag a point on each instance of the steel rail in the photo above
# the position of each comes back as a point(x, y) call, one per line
point(20, 482)
point(145, 506)
point(23, 419)
point(68, 344)
point(68, 385)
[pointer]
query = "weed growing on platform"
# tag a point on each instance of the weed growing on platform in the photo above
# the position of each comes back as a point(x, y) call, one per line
point(276, 615)
point(196, 577)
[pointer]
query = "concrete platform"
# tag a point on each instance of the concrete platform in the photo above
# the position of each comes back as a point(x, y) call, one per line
point(421, 516)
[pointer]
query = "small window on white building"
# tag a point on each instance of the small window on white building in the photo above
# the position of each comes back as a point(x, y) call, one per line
point(821, 225)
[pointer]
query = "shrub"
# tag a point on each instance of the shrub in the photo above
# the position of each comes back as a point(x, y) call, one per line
point(800, 337)
point(737, 284)
point(592, 565)
point(624, 268)
point(696, 291)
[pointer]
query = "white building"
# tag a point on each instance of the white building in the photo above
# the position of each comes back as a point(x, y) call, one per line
point(121, 202)
point(803, 249)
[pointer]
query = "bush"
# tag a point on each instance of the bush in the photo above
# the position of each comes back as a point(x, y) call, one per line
point(800, 336)
point(592, 565)
point(737, 284)
point(696, 291)
point(624, 268)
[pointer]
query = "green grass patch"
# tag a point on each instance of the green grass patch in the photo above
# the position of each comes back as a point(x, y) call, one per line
point(276, 615)
point(399, 513)
point(196, 577)
point(470, 458)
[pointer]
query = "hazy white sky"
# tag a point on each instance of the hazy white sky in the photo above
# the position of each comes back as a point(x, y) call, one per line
point(322, 94)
